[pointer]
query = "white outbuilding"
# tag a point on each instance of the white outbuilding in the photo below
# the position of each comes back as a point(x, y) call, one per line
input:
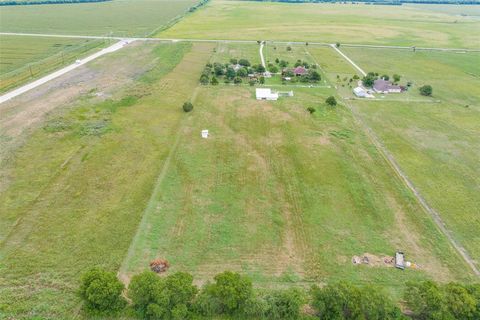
point(360, 92)
point(204, 134)
point(266, 94)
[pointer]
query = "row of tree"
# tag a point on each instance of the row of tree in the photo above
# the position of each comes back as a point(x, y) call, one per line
point(231, 294)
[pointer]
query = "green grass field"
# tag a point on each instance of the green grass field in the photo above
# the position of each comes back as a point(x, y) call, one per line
point(119, 17)
point(72, 207)
point(24, 59)
point(387, 25)
point(436, 143)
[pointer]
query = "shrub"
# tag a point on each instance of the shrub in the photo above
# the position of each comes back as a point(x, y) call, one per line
point(426, 90)
point(237, 80)
point(101, 291)
point(252, 82)
point(144, 290)
point(311, 110)
point(396, 78)
point(214, 81)
point(260, 69)
point(262, 80)
point(289, 48)
point(242, 72)
point(331, 101)
point(285, 304)
point(273, 69)
point(228, 294)
point(385, 77)
point(314, 75)
point(204, 79)
point(187, 106)
point(345, 301)
point(233, 61)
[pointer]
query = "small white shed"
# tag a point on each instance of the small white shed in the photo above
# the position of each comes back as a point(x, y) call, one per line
point(266, 94)
point(204, 134)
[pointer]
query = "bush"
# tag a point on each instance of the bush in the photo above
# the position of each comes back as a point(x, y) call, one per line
point(289, 48)
point(331, 101)
point(285, 304)
point(187, 106)
point(345, 301)
point(252, 82)
point(214, 81)
point(227, 295)
point(101, 291)
point(396, 78)
point(311, 110)
point(244, 62)
point(165, 298)
point(385, 77)
point(426, 90)
point(242, 72)
point(204, 79)
point(273, 69)
point(237, 80)
point(233, 61)
point(262, 80)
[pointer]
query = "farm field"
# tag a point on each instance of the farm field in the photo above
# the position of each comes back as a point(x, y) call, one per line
point(436, 141)
point(24, 59)
point(272, 190)
point(365, 24)
point(64, 212)
point(127, 18)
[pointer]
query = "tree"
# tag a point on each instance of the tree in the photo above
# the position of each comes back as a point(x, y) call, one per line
point(277, 61)
point(285, 304)
point(242, 72)
point(233, 61)
point(461, 303)
point(396, 78)
point(311, 110)
point(262, 80)
point(237, 80)
point(187, 106)
point(230, 74)
point(218, 69)
point(368, 80)
point(426, 301)
point(259, 68)
point(214, 81)
point(345, 301)
point(101, 291)
point(385, 77)
point(298, 63)
point(426, 90)
point(355, 77)
point(244, 62)
point(314, 75)
point(337, 44)
point(331, 101)
point(289, 48)
point(204, 79)
point(273, 69)
point(229, 293)
point(283, 63)
point(144, 290)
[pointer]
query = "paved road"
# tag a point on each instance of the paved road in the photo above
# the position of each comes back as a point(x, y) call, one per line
point(56, 74)
point(349, 60)
point(236, 41)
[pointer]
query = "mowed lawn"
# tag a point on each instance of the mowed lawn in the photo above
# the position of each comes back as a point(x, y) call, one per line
point(436, 143)
point(80, 184)
point(285, 197)
point(349, 23)
point(23, 59)
point(118, 18)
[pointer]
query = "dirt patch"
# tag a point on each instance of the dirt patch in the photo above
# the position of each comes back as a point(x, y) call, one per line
point(374, 260)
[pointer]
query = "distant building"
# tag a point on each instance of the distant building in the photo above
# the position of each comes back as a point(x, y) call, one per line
point(384, 86)
point(300, 71)
point(266, 94)
point(360, 92)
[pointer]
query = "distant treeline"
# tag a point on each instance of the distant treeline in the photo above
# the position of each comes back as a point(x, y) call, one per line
point(32, 2)
point(379, 2)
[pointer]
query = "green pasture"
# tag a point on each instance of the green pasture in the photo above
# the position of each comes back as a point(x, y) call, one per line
point(435, 141)
point(80, 184)
point(322, 22)
point(118, 18)
point(273, 190)
point(24, 59)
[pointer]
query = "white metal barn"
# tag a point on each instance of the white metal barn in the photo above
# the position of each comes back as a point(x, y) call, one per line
point(266, 94)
